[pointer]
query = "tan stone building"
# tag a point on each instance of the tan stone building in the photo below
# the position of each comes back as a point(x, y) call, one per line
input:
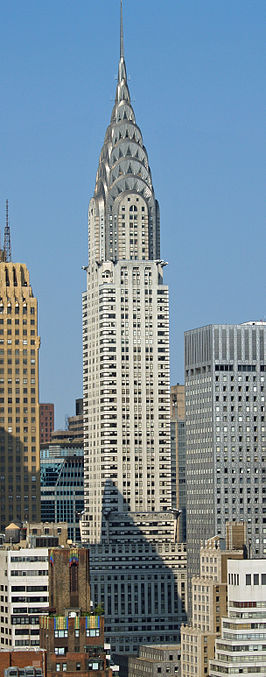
point(19, 396)
point(209, 600)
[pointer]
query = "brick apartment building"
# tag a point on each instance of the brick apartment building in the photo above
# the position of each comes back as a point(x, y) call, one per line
point(69, 580)
point(72, 636)
point(74, 645)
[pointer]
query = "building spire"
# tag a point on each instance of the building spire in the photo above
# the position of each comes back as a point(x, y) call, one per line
point(7, 238)
point(122, 73)
point(121, 32)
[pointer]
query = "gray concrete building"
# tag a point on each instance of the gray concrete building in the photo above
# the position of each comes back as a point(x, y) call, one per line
point(225, 433)
point(156, 660)
point(137, 565)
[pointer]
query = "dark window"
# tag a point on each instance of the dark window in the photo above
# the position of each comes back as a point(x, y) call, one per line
point(73, 571)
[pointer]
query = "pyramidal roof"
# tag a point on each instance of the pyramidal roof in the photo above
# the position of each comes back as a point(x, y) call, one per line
point(123, 163)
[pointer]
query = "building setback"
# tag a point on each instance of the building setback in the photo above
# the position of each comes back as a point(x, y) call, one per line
point(225, 433)
point(242, 647)
point(19, 397)
point(137, 566)
point(74, 431)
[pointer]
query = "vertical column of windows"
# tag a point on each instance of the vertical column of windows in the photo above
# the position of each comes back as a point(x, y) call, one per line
point(125, 380)
point(163, 397)
point(139, 404)
point(108, 395)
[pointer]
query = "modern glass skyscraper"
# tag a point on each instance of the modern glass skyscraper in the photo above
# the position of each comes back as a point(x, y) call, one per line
point(127, 455)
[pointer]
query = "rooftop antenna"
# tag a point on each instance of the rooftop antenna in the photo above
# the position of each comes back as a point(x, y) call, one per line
point(121, 32)
point(7, 239)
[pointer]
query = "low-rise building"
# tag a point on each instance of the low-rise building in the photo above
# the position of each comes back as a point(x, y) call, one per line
point(74, 643)
point(155, 660)
point(20, 661)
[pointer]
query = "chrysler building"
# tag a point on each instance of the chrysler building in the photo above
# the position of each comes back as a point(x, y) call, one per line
point(128, 513)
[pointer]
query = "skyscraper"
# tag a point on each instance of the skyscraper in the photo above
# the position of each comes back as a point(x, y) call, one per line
point(127, 456)
point(19, 394)
point(225, 433)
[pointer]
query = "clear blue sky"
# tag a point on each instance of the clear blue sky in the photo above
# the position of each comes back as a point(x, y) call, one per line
point(196, 81)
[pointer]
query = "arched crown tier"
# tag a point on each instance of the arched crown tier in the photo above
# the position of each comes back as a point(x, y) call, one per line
point(123, 181)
